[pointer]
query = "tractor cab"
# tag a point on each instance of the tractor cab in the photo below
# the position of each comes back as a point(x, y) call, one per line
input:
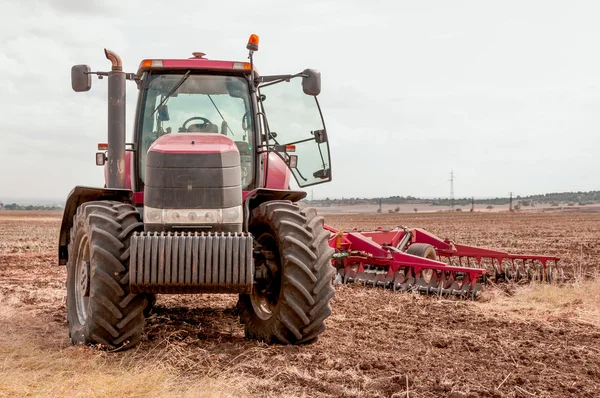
point(261, 115)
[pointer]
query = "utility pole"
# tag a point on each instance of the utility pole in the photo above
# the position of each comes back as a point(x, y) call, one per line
point(510, 203)
point(380, 200)
point(452, 189)
point(472, 204)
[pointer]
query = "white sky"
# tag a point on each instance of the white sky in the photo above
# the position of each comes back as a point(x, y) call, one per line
point(507, 94)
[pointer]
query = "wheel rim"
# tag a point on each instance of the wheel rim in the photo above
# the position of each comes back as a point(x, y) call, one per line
point(82, 280)
point(265, 295)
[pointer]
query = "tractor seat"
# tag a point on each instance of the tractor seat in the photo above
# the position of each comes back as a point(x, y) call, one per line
point(201, 128)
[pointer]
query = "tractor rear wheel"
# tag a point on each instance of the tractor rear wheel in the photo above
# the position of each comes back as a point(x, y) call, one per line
point(100, 307)
point(293, 278)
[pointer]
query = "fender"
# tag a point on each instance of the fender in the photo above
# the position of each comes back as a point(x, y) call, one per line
point(76, 198)
point(254, 198)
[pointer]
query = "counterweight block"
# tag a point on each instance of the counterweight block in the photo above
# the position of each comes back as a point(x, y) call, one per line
point(191, 263)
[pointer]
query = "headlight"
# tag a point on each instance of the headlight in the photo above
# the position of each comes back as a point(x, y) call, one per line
point(232, 215)
point(153, 215)
point(212, 216)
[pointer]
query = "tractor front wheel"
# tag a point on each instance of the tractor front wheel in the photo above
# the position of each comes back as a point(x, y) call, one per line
point(100, 307)
point(290, 299)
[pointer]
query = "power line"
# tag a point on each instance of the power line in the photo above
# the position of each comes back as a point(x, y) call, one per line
point(452, 189)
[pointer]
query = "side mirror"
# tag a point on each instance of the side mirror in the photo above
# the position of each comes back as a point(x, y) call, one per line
point(81, 79)
point(311, 82)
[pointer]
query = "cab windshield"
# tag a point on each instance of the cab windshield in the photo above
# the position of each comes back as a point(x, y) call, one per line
point(201, 104)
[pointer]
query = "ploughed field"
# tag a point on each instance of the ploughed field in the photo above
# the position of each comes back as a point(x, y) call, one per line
point(515, 342)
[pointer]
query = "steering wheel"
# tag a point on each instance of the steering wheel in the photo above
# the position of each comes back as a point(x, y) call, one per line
point(202, 127)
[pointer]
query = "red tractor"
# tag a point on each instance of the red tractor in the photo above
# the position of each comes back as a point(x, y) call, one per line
point(200, 201)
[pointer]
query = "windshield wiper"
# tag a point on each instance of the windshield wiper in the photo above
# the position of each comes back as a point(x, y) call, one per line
point(175, 87)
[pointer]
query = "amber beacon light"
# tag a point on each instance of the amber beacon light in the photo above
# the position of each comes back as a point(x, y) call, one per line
point(252, 43)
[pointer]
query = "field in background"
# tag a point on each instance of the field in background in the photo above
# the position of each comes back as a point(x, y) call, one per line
point(529, 341)
point(428, 208)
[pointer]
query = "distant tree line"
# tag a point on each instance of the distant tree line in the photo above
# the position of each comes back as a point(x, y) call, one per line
point(579, 197)
point(14, 206)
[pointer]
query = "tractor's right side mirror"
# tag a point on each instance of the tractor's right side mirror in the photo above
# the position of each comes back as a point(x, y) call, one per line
point(311, 82)
point(81, 79)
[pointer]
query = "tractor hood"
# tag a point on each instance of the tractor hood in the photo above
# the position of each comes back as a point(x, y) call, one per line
point(193, 171)
point(194, 143)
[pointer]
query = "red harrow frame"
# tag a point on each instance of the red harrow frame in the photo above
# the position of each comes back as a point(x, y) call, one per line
point(412, 259)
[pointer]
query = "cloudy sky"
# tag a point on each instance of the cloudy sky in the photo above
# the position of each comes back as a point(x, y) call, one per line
point(505, 93)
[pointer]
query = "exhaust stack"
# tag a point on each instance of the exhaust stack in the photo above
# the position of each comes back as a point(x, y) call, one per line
point(116, 122)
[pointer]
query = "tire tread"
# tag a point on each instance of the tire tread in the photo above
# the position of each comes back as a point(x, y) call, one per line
point(306, 289)
point(115, 316)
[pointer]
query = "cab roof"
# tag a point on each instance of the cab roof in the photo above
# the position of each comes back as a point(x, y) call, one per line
point(197, 62)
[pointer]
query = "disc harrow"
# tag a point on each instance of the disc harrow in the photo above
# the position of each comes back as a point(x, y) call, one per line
point(412, 259)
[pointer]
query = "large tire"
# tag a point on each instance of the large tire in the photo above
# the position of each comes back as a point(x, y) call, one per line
point(422, 250)
point(295, 244)
point(100, 307)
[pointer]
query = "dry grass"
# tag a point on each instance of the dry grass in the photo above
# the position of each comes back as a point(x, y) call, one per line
point(28, 370)
point(37, 360)
point(577, 301)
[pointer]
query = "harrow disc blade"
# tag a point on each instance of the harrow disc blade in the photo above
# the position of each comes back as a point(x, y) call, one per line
point(475, 291)
point(379, 280)
point(517, 273)
point(421, 285)
point(539, 274)
point(530, 273)
point(369, 279)
point(509, 274)
point(462, 289)
point(349, 276)
point(550, 274)
point(388, 282)
point(406, 285)
point(498, 275)
point(360, 277)
point(398, 280)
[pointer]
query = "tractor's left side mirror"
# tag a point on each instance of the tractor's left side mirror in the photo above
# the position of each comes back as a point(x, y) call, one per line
point(81, 79)
point(311, 82)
